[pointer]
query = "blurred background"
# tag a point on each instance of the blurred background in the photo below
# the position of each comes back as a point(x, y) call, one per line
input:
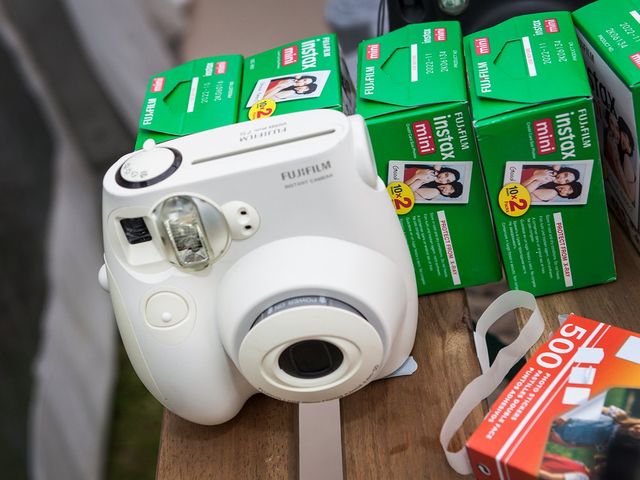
point(72, 80)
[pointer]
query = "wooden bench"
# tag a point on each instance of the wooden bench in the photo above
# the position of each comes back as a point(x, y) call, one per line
point(390, 428)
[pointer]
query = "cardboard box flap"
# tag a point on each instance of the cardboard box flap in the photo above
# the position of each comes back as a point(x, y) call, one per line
point(417, 65)
point(273, 73)
point(612, 27)
point(524, 61)
point(173, 95)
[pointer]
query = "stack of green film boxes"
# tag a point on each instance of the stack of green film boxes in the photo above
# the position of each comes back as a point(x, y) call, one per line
point(526, 161)
point(190, 98)
point(216, 91)
point(536, 132)
point(412, 94)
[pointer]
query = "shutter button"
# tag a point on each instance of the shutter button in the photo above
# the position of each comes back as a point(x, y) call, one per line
point(165, 309)
point(148, 166)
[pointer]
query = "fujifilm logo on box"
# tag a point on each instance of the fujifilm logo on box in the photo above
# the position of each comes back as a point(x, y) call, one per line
point(303, 75)
point(535, 126)
point(413, 96)
point(608, 32)
point(190, 98)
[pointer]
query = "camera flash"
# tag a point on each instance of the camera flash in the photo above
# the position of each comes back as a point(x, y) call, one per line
point(185, 233)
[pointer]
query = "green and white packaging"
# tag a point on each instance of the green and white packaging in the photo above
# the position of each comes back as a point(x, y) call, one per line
point(302, 75)
point(609, 34)
point(535, 127)
point(412, 94)
point(195, 96)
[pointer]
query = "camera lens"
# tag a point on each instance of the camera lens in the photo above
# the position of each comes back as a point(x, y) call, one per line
point(310, 348)
point(310, 359)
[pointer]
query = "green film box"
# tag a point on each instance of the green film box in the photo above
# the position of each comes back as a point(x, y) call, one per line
point(302, 75)
point(190, 98)
point(413, 96)
point(609, 34)
point(535, 127)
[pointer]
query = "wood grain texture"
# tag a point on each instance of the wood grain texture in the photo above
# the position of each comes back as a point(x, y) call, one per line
point(259, 443)
point(616, 303)
point(390, 428)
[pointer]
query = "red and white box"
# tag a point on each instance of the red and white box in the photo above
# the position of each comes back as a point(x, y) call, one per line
point(570, 410)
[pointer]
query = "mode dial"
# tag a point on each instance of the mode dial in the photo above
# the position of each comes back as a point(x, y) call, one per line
point(148, 166)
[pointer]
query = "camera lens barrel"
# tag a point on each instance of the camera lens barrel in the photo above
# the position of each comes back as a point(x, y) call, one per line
point(310, 348)
point(297, 289)
point(309, 358)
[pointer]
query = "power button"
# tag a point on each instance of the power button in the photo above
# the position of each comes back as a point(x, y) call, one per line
point(166, 309)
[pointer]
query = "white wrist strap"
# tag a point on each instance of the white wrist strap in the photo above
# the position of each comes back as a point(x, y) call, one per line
point(492, 375)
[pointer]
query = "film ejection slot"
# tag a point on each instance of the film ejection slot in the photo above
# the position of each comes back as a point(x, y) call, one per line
point(274, 140)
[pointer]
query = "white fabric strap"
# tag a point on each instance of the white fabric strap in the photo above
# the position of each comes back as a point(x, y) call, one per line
point(492, 375)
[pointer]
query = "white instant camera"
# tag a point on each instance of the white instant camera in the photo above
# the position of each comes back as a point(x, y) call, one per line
point(265, 257)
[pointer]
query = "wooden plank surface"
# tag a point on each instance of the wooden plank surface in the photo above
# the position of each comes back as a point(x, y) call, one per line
point(390, 428)
point(616, 303)
point(259, 443)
